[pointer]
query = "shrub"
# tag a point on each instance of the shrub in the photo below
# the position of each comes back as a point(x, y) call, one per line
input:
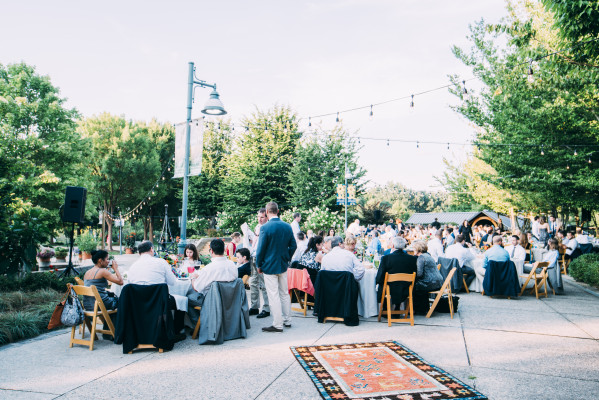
point(33, 282)
point(319, 218)
point(586, 269)
point(87, 243)
point(198, 226)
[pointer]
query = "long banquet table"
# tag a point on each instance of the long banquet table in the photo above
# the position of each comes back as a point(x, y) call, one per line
point(367, 301)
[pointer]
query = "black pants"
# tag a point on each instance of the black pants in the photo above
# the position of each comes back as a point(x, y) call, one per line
point(179, 321)
point(470, 275)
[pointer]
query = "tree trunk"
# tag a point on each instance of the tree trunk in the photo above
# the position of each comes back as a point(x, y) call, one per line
point(151, 228)
point(103, 238)
point(145, 222)
point(109, 238)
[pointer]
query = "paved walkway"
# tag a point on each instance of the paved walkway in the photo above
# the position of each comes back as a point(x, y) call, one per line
point(507, 349)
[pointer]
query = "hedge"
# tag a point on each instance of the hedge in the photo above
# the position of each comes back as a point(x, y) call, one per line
point(586, 269)
point(32, 282)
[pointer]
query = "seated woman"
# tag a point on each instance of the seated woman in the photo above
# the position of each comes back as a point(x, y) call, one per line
point(99, 276)
point(428, 277)
point(191, 255)
point(526, 245)
point(350, 243)
point(554, 275)
point(232, 246)
point(312, 257)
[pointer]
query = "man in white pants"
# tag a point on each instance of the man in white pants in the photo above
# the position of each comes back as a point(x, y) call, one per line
point(275, 249)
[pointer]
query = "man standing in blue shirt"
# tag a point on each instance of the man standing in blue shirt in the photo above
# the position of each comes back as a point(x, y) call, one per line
point(273, 255)
point(496, 252)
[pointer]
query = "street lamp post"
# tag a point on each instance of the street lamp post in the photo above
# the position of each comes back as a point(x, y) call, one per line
point(213, 107)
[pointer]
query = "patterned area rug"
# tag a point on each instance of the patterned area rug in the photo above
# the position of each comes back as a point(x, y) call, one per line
point(383, 370)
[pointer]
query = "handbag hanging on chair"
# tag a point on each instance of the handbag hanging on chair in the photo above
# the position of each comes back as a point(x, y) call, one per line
point(72, 313)
point(57, 313)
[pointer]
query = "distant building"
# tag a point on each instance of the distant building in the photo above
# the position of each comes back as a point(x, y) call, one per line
point(484, 217)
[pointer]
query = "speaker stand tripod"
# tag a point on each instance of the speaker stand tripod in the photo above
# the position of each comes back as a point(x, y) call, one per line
point(165, 241)
point(70, 269)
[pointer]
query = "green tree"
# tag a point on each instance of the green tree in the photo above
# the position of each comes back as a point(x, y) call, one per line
point(123, 162)
point(40, 152)
point(319, 166)
point(205, 196)
point(540, 138)
point(259, 165)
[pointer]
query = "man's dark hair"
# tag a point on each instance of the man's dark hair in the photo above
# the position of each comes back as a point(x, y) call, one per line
point(272, 207)
point(300, 236)
point(517, 237)
point(262, 211)
point(562, 232)
point(376, 233)
point(459, 239)
point(449, 229)
point(217, 246)
point(537, 217)
point(295, 215)
point(244, 253)
point(145, 246)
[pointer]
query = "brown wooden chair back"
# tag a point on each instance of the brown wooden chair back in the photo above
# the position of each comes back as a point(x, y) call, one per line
point(91, 318)
point(538, 274)
point(445, 289)
point(409, 308)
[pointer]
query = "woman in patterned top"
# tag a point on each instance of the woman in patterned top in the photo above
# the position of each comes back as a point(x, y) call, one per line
point(312, 256)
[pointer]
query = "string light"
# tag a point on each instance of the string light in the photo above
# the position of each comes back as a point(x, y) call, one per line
point(510, 152)
point(387, 142)
point(530, 76)
point(412, 103)
point(589, 159)
point(337, 120)
point(575, 153)
point(542, 152)
point(371, 114)
point(465, 91)
point(417, 144)
point(447, 146)
point(310, 121)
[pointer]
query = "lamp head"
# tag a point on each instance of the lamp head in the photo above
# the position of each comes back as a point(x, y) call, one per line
point(214, 106)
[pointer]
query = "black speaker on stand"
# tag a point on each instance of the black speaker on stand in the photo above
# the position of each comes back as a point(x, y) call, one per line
point(73, 211)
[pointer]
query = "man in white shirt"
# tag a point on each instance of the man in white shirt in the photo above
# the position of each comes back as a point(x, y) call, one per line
point(220, 269)
point(581, 238)
point(572, 244)
point(302, 245)
point(516, 251)
point(458, 251)
point(535, 228)
point(354, 228)
point(150, 270)
point(435, 246)
point(257, 285)
point(295, 227)
point(339, 259)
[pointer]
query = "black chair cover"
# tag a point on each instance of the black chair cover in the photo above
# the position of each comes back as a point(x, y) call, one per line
point(457, 281)
point(501, 279)
point(336, 295)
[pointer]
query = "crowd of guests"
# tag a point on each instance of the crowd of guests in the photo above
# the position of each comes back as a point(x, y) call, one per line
point(266, 252)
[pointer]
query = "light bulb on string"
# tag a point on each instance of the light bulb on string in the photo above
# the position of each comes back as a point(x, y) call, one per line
point(371, 113)
point(567, 167)
point(412, 103)
point(266, 129)
point(465, 91)
point(417, 144)
point(510, 151)
point(447, 146)
point(309, 121)
point(530, 76)
point(589, 159)
point(337, 120)
point(387, 142)
point(542, 151)
point(575, 153)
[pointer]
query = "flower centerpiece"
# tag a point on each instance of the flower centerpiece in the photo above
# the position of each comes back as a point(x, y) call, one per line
point(175, 262)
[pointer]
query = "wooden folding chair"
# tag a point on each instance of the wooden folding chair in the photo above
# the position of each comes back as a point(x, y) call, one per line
point(197, 328)
point(539, 279)
point(445, 289)
point(79, 281)
point(91, 317)
point(465, 285)
point(302, 301)
point(409, 311)
point(564, 263)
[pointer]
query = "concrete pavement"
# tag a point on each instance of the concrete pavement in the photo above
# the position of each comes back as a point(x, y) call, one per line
point(507, 349)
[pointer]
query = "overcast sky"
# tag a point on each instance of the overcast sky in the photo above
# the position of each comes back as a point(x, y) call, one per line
point(130, 58)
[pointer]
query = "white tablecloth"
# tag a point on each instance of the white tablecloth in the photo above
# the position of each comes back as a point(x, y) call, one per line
point(477, 265)
point(367, 302)
point(178, 291)
point(538, 254)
